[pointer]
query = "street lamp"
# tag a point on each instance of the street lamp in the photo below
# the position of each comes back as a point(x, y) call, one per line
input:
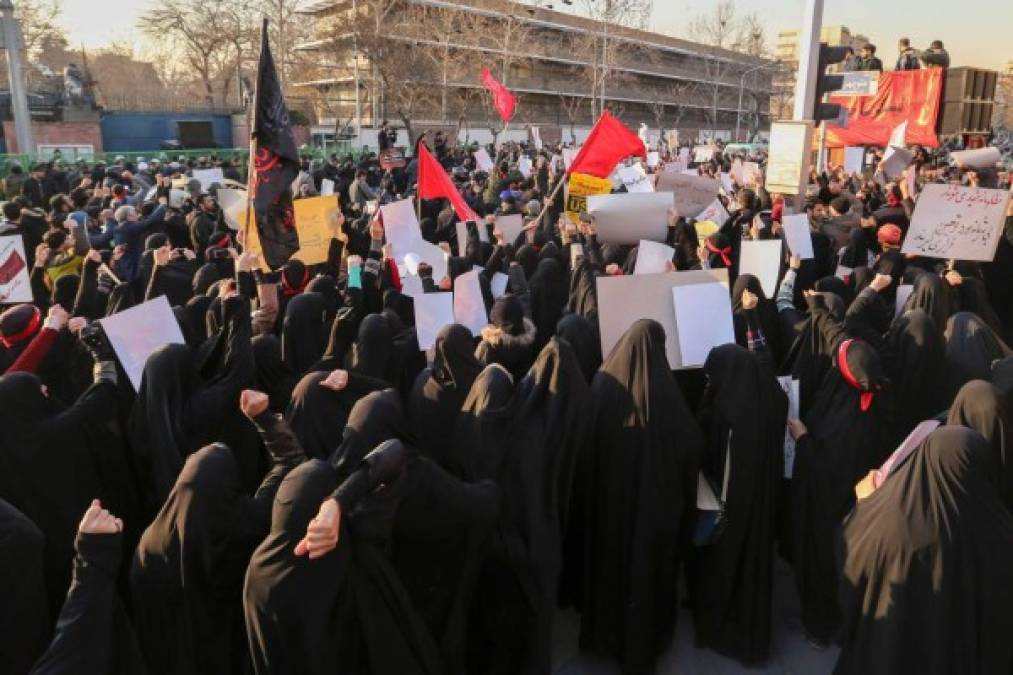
point(742, 86)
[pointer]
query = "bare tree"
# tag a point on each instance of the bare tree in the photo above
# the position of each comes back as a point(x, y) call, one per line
point(202, 32)
point(571, 107)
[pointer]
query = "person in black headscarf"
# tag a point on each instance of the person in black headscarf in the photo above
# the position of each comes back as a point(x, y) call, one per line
point(971, 349)
point(192, 320)
point(327, 288)
point(24, 620)
point(342, 336)
point(583, 298)
point(756, 323)
point(810, 358)
point(734, 577)
point(645, 446)
point(65, 291)
point(548, 295)
point(509, 338)
point(50, 465)
point(304, 332)
point(371, 353)
point(527, 258)
point(982, 406)
point(931, 294)
point(580, 334)
point(838, 287)
point(187, 400)
point(844, 435)
point(920, 386)
point(187, 572)
point(320, 407)
point(928, 566)
point(511, 629)
point(439, 392)
point(93, 632)
point(272, 373)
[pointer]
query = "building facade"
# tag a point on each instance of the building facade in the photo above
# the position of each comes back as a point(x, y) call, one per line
point(420, 60)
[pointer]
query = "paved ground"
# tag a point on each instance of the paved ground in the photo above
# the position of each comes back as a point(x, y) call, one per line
point(790, 654)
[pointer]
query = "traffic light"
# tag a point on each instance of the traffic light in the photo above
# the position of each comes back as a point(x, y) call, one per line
point(826, 84)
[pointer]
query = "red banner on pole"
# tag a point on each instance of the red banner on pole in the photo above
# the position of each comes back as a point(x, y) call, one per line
point(908, 95)
point(502, 99)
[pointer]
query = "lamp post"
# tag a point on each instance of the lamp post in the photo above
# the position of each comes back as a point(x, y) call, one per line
point(12, 42)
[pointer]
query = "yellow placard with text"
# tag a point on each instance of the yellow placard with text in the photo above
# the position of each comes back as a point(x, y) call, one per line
point(316, 220)
point(580, 188)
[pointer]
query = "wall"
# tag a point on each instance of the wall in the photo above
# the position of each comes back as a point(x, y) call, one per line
point(141, 131)
point(56, 133)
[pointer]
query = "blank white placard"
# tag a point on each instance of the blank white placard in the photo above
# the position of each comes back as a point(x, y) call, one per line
point(796, 233)
point(652, 256)
point(762, 259)
point(433, 311)
point(703, 320)
point(469, 306)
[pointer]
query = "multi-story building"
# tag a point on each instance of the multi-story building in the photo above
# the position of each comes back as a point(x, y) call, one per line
point(787, 50)
point(564, 68)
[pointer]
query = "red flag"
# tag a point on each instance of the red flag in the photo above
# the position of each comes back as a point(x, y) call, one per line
point(608, 143)
point(504, 101)
point(434, 183)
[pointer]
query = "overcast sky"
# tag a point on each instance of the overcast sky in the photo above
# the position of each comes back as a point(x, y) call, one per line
point(976, 32)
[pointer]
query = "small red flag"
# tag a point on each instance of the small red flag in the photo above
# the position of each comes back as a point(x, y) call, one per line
point(504, 101)
point(434, 183)
point(608, 143)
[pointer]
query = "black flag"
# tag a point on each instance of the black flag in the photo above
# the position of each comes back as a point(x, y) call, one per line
point(275, 165)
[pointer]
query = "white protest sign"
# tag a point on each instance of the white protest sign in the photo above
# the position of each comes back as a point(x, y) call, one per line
point(434, 256)
point(952, 221)
point(979, 158)
point(635, 179)
point(469, 307)
point(751, 173)
point(797, 235)
point(623, 300)
point(692, 193)
point(762, 259)
point(326, 187)
point(653, 159)
point(483, 160)
point(498, 282)
point(790, 387)
point(736, 172)
point(726, 183)
point(898, 135)
point(433, 311)
point(510, 226)
point(524, 166)
point(626, 218)
point(136, 333)
point(208, 176)
point(462, 237)
point(715, 213)
point(234, 206)
point(401, 227)
point(411, 285)
point(652, 257)
point(854, 159)
point(703, 153)
point(895, 160)
point(15, 279)
point(703, 317)
point(903, 293)
point(788, 161)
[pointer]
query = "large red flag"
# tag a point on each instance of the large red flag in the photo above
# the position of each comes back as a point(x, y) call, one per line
point(434, 183)
point(608, 143)
point(504, 101)
point(911, 96)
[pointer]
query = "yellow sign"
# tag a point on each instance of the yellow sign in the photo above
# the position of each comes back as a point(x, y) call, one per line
point(704, 229)
point(581, 187)
point(316, 220)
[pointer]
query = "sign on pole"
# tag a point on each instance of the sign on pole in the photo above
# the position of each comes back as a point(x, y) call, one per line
point(788, 161)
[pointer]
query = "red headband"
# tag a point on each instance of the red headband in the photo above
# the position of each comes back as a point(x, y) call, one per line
point(286, 288)
point(865, 400)
point(725, 252)
point(395, 275)
point(9, 341)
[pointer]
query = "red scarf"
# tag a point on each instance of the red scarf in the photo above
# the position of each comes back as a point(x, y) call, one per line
point(9, 341)
point(286, 288)
point(725, 253)
point(865, 399)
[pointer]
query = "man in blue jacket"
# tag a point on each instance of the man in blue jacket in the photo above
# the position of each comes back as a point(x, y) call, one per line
point(130, 231)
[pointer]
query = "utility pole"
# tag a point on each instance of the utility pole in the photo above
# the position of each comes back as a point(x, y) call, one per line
point(808, 61)
point(12, 42)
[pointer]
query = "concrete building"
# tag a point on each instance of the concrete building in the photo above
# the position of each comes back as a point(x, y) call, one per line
point(787, 50)
point(553, 62)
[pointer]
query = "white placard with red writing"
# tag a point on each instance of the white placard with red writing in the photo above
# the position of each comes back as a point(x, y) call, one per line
point(953, 221)
point(15, 283)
